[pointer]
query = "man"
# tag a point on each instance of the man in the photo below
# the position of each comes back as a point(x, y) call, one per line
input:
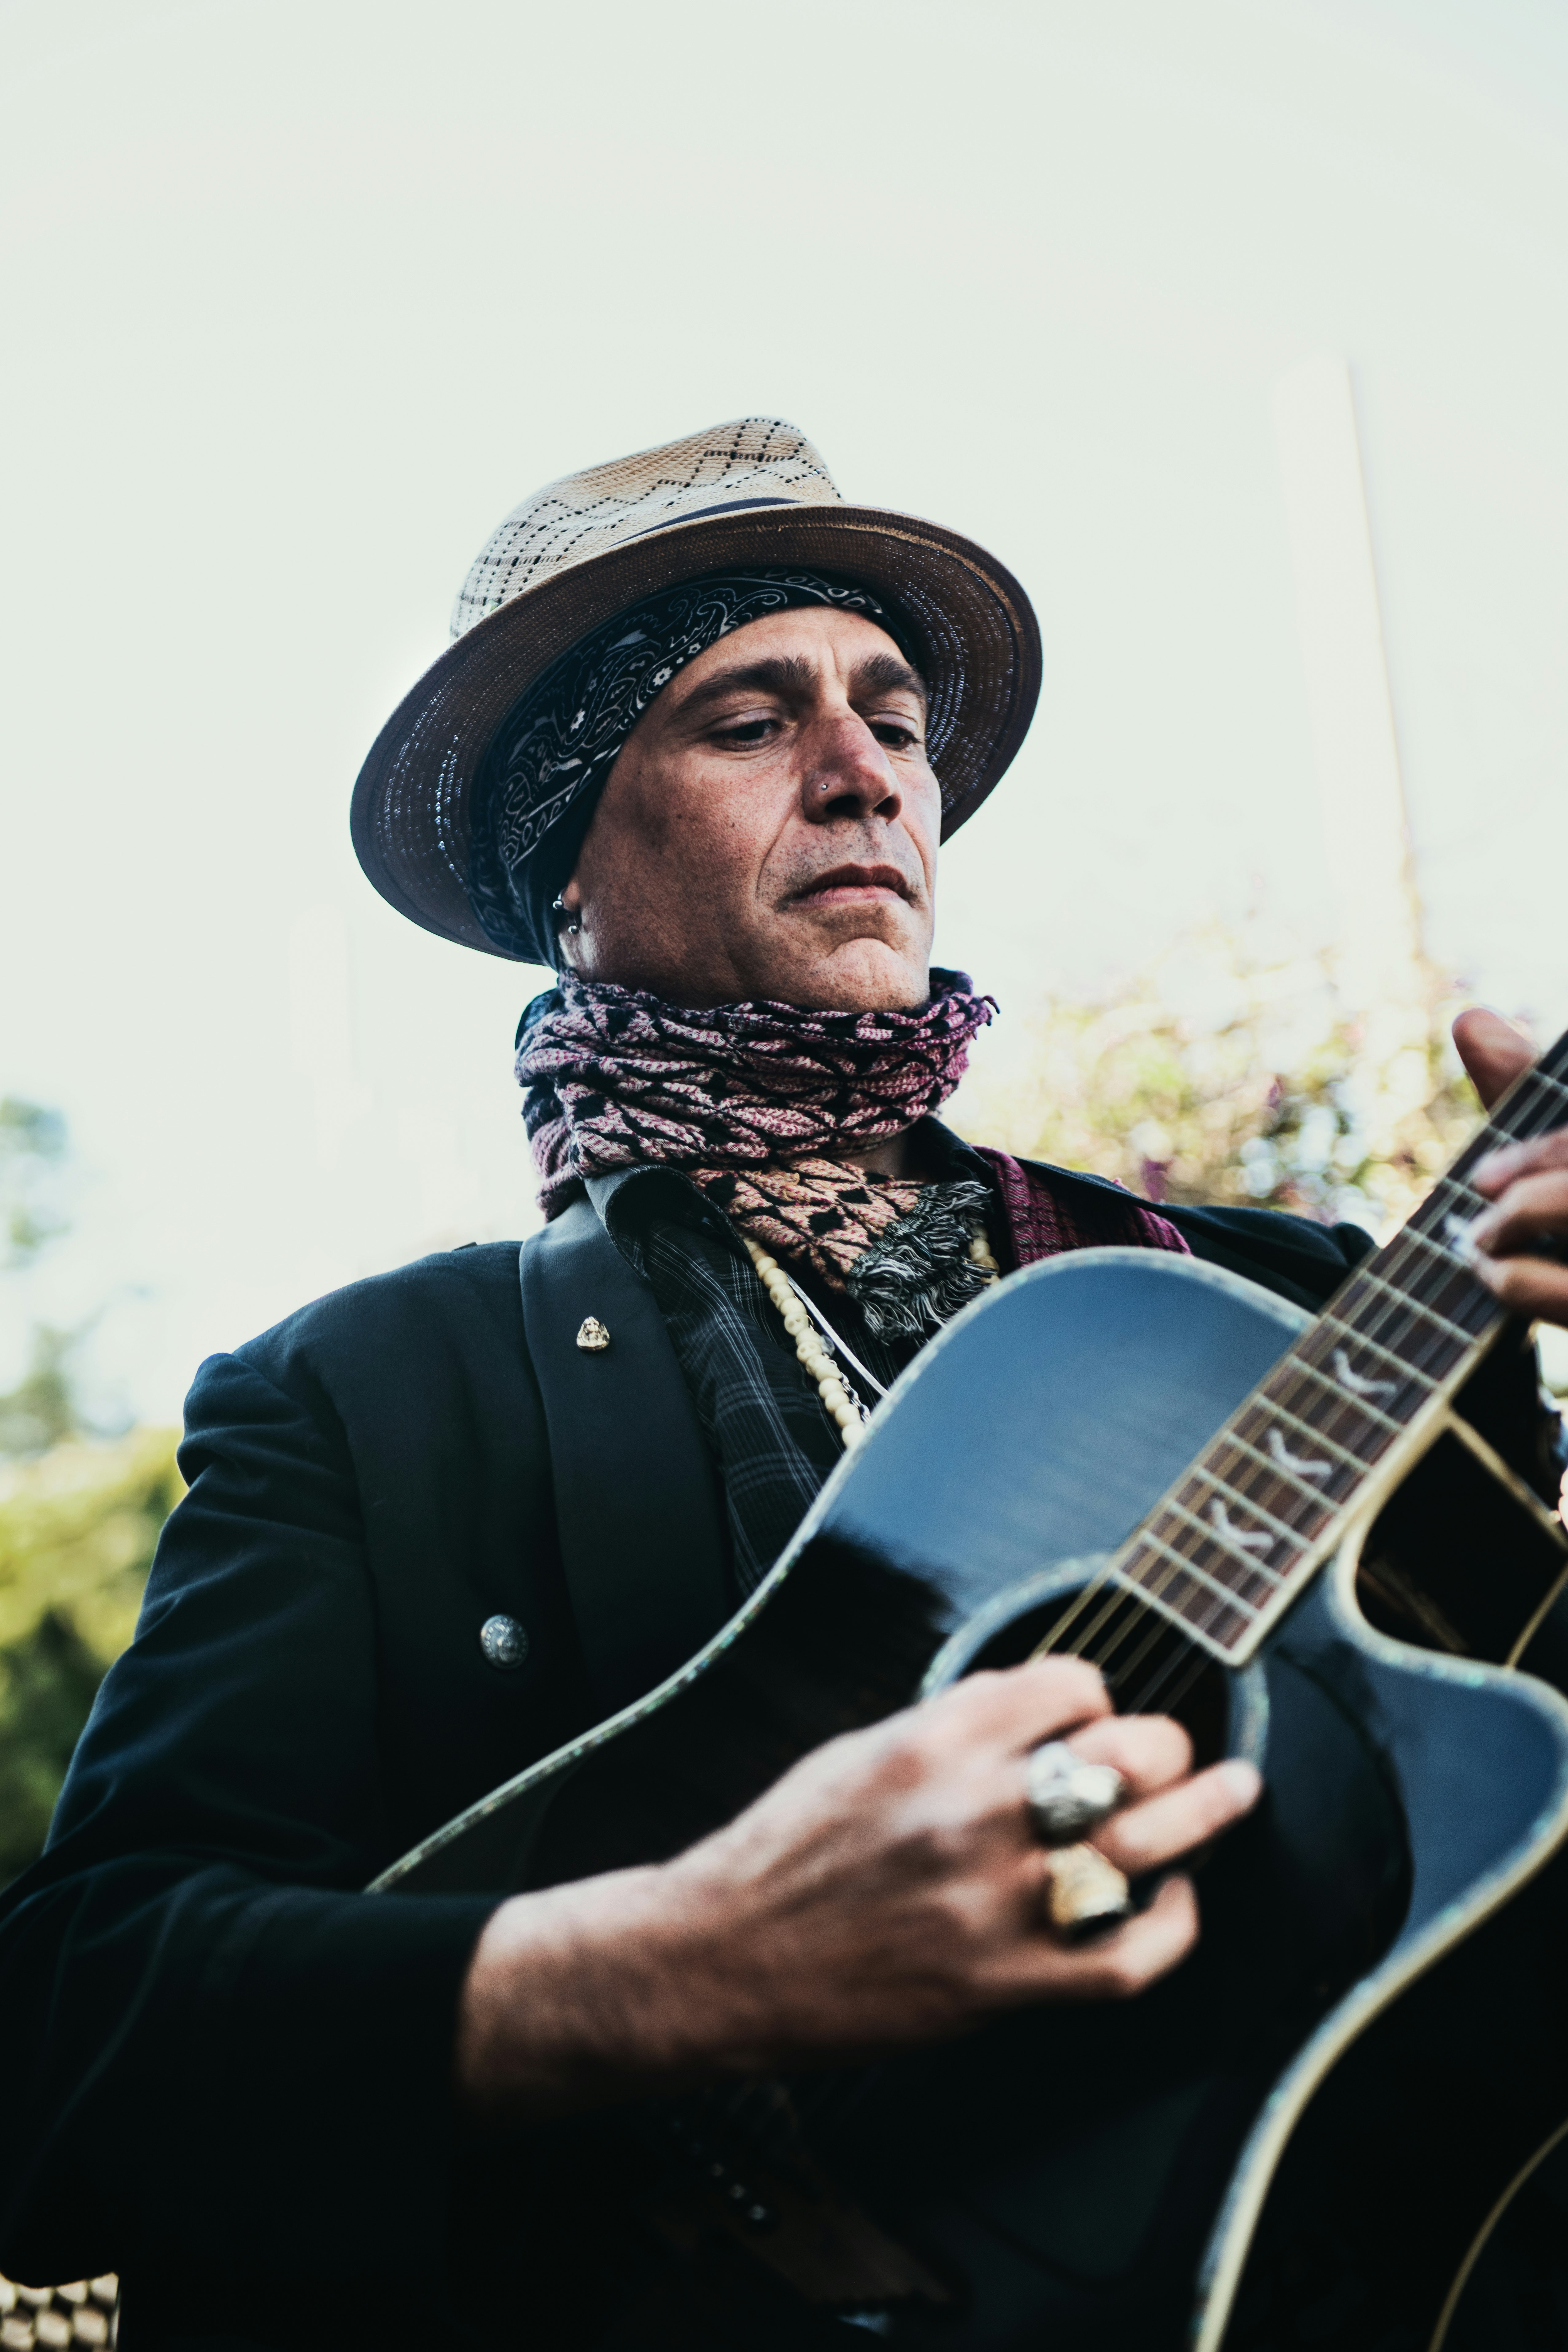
point(696, 742)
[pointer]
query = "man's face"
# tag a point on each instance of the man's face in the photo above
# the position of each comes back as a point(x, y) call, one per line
point(770, 828)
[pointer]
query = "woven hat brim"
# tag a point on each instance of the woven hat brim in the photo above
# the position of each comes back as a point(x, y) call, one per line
point(979, 648)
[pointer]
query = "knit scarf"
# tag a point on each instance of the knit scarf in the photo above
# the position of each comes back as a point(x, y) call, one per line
point(756, 1103)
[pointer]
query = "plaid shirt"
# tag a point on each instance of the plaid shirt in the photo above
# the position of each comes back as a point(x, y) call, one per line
point(772, 1436)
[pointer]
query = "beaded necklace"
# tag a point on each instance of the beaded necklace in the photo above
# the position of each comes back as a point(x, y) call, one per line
point(819, 1348)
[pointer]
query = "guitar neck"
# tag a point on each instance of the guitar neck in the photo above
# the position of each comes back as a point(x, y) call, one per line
point(1269, 1499)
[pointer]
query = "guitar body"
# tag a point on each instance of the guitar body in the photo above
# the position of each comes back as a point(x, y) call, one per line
point(1310, 2120)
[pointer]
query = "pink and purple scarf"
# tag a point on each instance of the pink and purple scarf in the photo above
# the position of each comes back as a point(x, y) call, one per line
point(757, 1103)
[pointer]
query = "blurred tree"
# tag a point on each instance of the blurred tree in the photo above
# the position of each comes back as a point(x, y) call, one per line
point(41, 1409)
point(34, 1158)
point(1216, 1077)
point(77, 1528)
point(31, 1156)
point(77, 1522)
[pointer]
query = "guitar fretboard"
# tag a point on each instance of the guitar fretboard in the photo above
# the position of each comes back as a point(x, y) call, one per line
point(1264, 1503)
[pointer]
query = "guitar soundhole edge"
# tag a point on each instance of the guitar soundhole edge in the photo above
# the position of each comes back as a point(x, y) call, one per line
point(1148, 1665)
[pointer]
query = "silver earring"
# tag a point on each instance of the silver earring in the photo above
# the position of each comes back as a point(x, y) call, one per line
point(558, 907)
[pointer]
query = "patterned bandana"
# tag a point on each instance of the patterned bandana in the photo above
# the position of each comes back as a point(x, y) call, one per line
point(753, 1102)
point(536, 792)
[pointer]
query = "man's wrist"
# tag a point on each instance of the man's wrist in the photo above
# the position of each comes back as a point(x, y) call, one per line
point(575, 1997)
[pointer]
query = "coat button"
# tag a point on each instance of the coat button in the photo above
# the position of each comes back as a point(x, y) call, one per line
point(504, 1643)
point(591, 1335)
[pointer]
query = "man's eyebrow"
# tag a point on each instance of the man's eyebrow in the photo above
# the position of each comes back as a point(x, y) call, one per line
point(886, 674)
point(793, 677)
point(785, 674)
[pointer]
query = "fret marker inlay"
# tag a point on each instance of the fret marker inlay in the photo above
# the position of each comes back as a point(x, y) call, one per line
point(1460, 1238)
point(1356, 1381)
point(1297, 1458)
point(1300, 1466)
point(1226, 1527)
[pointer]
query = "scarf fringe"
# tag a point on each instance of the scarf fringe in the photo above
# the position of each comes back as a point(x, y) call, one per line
point(920, 1272)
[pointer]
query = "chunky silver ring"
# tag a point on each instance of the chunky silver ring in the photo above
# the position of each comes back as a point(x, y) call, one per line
point(1067, 1796)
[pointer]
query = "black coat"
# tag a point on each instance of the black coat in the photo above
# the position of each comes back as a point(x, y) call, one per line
point(227, 2071)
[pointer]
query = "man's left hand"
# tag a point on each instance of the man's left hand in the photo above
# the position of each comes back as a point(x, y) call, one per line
point(1526, 1182)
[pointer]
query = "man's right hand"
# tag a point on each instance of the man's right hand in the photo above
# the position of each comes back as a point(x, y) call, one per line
point(887, 1890)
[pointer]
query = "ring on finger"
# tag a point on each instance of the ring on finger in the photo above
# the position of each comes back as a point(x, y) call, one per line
point(1084, 1894)
point(1067, 1796)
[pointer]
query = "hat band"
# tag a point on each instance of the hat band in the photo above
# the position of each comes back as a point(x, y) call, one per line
point(730, 506)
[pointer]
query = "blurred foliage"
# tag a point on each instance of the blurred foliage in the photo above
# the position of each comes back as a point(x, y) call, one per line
point(32, 1155)
point(1216, 1077)
point(77, 1521)
point(41, 1409)
point(77, 1528)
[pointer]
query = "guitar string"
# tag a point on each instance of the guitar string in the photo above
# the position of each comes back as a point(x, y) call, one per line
point(1196, 1660)
point(1196, 1657)
point(1182, 1559)
point(1400, 1316)
point(1121, 1625)
point(1184, 1649)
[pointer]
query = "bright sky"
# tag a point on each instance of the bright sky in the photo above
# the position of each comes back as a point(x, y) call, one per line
point(301, 296)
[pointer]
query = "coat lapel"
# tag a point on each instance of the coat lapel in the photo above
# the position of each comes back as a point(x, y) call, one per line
point(637, 1505)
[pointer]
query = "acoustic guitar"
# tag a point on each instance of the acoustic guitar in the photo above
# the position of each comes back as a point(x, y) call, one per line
point(1289, 1532)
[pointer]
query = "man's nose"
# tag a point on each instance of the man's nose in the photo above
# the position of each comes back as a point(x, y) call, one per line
point(847, 773)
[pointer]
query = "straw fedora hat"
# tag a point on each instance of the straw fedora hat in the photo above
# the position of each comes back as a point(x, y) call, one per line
point(585, 548)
